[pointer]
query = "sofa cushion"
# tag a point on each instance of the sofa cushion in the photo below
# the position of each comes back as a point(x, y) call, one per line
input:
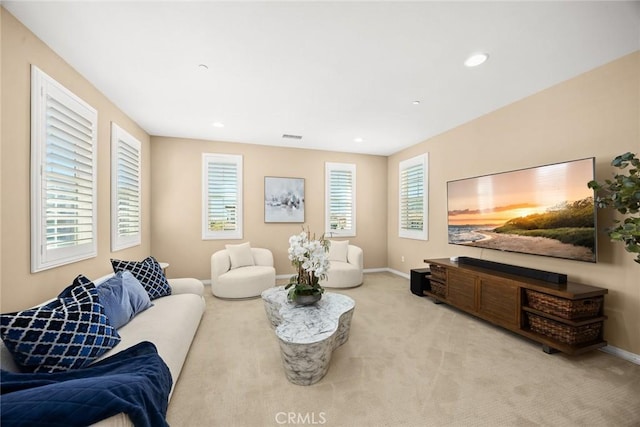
point(186, 285)
point(338, 250)
point(67, 333)
point(148, 272)
point(122, 297)
point(170, 324)
point(240, 255)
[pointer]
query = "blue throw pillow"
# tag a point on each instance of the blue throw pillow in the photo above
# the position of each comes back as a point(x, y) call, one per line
point(138, 296)
point(67, 333)
point(122, 297)
point(148, 272)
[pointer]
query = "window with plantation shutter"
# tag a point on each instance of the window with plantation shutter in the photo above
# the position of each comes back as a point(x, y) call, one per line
point(340, 199)
point(63, 175)
point(222, 196)
point(413, 198)
point(125, 189)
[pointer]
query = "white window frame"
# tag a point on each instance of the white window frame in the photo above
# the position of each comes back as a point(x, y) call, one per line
point(330, 168)
point(403, 231)
point(62, 121)
point(236, 160)
point(126, 189)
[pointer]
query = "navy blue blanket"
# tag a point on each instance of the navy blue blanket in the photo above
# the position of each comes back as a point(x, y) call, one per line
point(135, 381)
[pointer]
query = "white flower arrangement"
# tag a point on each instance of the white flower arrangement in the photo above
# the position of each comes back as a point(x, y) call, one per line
point(311, 259)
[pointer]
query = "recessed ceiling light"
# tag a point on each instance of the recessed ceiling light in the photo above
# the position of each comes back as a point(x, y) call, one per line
point(416, 102)
point(203, 67)
point(217, 125)
point(476, 59)
point(358, 139)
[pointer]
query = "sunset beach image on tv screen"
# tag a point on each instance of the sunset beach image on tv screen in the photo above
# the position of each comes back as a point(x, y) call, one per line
point(545, 210)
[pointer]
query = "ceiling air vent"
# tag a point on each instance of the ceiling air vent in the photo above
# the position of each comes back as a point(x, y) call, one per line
point(288, 136)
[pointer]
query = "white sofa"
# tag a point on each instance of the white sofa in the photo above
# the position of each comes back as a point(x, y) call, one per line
point(346, 266)
point(245, 281)
point(171, 324)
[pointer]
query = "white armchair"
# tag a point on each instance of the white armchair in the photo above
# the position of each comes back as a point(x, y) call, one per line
point(240, 271)
point(346, 265)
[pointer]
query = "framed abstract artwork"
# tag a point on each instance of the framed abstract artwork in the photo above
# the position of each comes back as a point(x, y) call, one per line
point(283, 199)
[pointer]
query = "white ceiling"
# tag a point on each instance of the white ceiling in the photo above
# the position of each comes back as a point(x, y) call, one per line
point(329, 71)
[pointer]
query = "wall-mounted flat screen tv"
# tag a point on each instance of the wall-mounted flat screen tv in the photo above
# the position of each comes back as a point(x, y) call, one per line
point(544, 210)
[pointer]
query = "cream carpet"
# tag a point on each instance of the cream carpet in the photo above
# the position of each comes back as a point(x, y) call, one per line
point(408, 362)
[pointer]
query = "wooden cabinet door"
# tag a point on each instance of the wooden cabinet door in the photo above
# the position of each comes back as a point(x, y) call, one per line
point(461, 290)
point(498, 302)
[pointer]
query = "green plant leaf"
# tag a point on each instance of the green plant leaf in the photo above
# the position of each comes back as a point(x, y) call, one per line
point(623, 194)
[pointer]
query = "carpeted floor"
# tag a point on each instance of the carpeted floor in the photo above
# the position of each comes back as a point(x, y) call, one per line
point(408, 362)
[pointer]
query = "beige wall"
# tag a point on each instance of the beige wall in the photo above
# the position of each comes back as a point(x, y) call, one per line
point(177, 201)
point(18, 287)
point(595, 114)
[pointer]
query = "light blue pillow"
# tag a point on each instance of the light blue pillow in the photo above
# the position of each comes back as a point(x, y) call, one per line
point(123, 297)
point(138, 296)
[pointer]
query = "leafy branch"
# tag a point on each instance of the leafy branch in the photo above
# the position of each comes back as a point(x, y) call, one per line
point(623, 194)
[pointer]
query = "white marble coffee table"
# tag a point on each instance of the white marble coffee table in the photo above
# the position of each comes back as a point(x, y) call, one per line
point(308, 334)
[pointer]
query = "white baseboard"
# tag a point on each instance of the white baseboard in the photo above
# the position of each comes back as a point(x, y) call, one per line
point(398, 273)
point(622, 354)
point(366, 270)
point(375, 270)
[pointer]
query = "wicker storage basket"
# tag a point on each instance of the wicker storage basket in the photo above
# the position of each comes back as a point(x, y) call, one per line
point(562, 307)
point(439, 289)
point(438, 272)
point(567, 334)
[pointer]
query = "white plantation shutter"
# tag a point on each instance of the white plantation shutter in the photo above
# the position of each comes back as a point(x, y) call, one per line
point(413, 198)
point(63, 175)
point(412, 187)
point(125, 189)
point(340, 199)
point(222, 196)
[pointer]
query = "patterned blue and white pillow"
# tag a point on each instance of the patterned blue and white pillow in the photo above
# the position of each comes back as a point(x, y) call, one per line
point(149, 274)
point(67, 333)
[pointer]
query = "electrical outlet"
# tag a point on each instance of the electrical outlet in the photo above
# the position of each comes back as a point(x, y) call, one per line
point(402, 258)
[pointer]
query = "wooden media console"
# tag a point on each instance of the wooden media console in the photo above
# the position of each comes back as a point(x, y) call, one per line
point(566, 317)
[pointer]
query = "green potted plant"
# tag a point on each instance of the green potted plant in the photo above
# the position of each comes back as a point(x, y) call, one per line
point(623, 194)
point(311, 259)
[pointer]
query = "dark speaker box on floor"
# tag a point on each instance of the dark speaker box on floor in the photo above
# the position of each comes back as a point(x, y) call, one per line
point(420, 281)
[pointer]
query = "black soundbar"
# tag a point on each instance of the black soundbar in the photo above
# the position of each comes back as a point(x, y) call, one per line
point(531, 273)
